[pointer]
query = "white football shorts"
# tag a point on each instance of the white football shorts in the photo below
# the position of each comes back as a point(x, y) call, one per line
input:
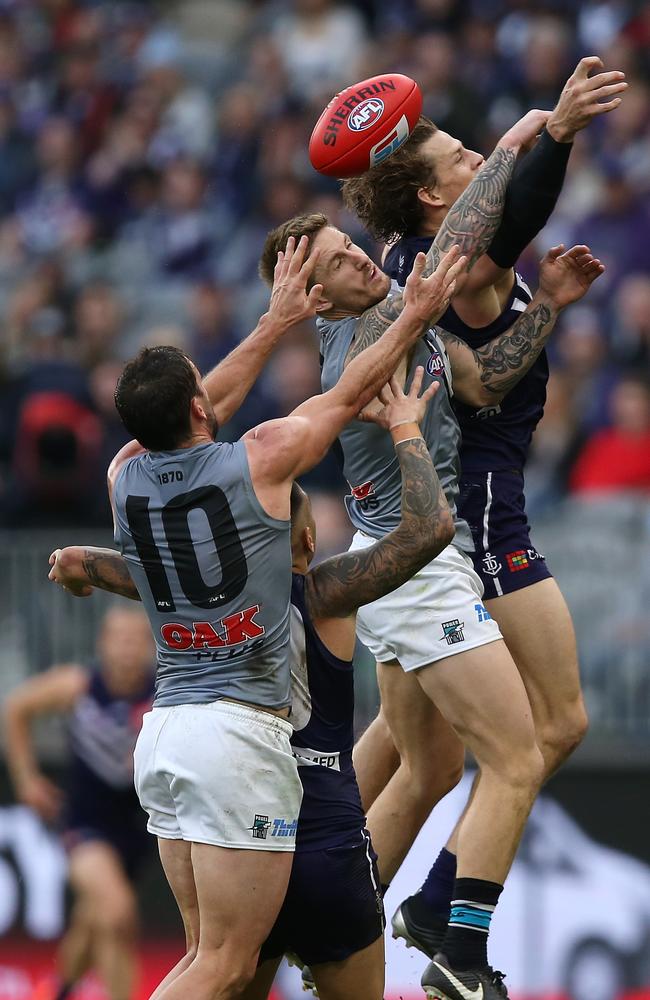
point(220, 773)
point(437, 613)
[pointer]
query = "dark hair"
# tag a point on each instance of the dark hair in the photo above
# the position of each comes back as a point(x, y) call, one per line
point(301, 225)
point(385, 198)
point(153, 397)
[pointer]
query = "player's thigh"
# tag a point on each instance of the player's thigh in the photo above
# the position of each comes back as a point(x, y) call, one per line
point(239, 894)
point(100, 881)
point(359, 975)
point(176, 859)
point(421, 734)
point(482, 695)
point(260, 987)
point(536, 625)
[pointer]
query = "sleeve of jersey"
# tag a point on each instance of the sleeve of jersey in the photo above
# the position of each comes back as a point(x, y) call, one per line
point(531, 197)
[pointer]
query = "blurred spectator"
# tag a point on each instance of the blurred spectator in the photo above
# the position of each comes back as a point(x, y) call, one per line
point(321, 43)
point(618, 458)
point(53, 215)
point(631, 335)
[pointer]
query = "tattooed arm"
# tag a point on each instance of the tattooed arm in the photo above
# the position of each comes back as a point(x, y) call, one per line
point(336, 588)
point(470, 224)
point(79, 568)
point(486, 375)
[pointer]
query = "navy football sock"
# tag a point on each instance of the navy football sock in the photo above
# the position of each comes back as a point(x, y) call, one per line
point(438, 887)
point(465, 943)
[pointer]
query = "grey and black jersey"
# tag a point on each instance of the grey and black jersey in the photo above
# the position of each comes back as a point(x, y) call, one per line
point(213, 570)
point(370, 464)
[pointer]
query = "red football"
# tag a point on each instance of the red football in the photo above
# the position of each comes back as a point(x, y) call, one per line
point(364, 124)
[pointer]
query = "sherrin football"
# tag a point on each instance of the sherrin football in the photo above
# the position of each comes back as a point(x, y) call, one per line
point(364, 124)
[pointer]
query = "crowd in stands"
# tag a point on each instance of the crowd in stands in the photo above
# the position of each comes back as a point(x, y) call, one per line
point(146, 149)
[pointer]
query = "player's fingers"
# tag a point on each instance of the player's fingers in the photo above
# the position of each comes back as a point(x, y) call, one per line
point(298, 258)
point(416, 382)
point(454, 271)
point(307, 268)
point(385, 396)
point(430, 392)
point(615, 88)
point(54, 556)
point(602, 109)
point(586, 66)
point(448, 260)
point(419, 265)
point(604, 79)
point(576, 251)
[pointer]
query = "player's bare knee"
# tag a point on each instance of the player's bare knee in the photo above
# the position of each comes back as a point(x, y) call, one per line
point(562, 736)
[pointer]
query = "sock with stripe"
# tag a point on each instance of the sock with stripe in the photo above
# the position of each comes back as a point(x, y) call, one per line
point(472, 906)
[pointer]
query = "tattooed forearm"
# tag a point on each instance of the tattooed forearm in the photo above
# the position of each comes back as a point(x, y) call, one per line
point(109, 571)
point(340, 585)
point(504, 361)
point(474, 218)
point(372, 324)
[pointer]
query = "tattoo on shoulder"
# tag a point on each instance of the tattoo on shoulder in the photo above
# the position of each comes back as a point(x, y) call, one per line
point(373, 323)
point(474, 218)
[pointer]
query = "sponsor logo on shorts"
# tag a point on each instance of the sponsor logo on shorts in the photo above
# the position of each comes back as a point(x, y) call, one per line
point(278, 827)
point(260, 827)
point(453, 632)
point(491, 566)
point(517, 560)
point(284, 828)
point(482, 613)
point(366, 114)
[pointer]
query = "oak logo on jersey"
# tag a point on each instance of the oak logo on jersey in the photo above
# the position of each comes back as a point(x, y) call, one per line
point(229, 631)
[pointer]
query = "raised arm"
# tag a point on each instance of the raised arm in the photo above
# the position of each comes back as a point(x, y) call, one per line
point(337, 587)
point(470, 224)
point(230, 382)
point(535, 187)
point(284, 449)
point(79, 569)
point(484, 376)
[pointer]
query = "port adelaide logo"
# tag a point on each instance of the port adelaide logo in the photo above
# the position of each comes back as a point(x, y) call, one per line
point(366, 114)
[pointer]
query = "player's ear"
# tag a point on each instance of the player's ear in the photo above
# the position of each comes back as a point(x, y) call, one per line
point(323, 305)
point(197, 409)
point(308, 540)
point(429, 196)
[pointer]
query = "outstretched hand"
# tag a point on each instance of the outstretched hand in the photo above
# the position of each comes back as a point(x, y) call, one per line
point(566, 276)
point(428, 297)
point(583, 98)
point(399, 407)
point(290, 301)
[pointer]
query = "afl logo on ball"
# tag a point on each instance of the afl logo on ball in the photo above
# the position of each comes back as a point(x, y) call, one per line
point(366, 114)
point(435, 364)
